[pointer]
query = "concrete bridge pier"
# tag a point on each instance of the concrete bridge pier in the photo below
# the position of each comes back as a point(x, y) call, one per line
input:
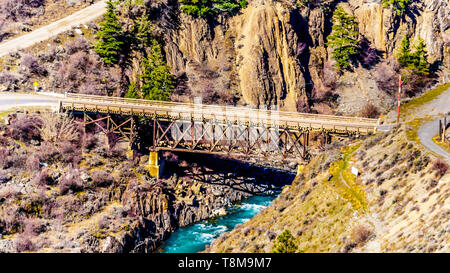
point(300, 168)
point(155, 164)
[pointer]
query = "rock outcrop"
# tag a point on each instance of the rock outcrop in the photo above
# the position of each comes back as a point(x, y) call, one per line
point(273, 53)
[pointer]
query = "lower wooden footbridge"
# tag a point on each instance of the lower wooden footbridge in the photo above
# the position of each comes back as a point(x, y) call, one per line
point(224, 130)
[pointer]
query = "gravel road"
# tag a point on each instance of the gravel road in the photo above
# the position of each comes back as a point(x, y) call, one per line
point(46, 32)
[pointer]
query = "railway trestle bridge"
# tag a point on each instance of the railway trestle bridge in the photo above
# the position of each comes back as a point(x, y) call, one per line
point(220, 130)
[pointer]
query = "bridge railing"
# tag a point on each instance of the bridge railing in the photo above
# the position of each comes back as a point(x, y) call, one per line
point(190, 107)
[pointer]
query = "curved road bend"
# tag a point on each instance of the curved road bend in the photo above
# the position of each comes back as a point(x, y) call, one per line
point(46, 32)
point(426, 134)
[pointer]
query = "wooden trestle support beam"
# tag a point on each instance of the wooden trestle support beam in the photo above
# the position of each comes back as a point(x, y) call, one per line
point(207, 136)
point(123, 128)
point(233, 138)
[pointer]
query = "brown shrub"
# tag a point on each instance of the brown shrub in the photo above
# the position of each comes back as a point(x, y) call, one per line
point(33, 226)
point(76, 45)
point(385, 78)
point(80, 60)
point(59, 128)
point(440, 167)
point(23, 243)
point(43, 178)
point(70, 181)
point(48, 153)
point(369, 111)
point(101, 178)
point(361, 233)
point(89, 141)
point(32, 163)
point(25, 127)
point(32, 66)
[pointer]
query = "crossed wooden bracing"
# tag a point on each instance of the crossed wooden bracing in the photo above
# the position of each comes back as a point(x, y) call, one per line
point(124, 129)
point(230, 138)
point(214, 129)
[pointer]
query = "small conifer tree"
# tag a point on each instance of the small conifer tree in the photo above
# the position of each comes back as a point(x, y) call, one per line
point(142, 29)
point(404, 56)
point(343, 38)
point(399, 6)
point(109, 45)
point(416, 61)
point(285, 243)
point(157, 81)
point(421, 64)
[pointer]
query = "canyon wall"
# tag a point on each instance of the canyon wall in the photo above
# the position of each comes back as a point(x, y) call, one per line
point(273, 53)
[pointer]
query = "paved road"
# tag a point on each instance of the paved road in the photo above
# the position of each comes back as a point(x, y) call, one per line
point(8, 101)
point(46, 32)
point(440, 105)
point(426, 134)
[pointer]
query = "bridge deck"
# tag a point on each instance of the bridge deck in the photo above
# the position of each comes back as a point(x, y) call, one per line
point(223, 114)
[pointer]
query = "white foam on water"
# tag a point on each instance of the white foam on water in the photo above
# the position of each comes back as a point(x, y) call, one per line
point(253, 207)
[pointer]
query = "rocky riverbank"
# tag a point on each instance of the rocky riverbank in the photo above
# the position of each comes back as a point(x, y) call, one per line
point(65, 190)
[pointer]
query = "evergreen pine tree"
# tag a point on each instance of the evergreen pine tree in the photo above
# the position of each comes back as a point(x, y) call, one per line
point(343, 38)
point(132, 91)
point(109, 45)
point(143, 30)
point(157, 82)
point(285, 243)
point(196, 8)
point(404, 56)
point(421, 64)
point(399, 6)
point(416, 61)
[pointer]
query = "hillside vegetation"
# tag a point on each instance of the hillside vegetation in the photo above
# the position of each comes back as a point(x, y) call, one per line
point(399, 203)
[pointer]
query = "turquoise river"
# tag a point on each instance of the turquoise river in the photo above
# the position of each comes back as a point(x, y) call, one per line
point(194, 238)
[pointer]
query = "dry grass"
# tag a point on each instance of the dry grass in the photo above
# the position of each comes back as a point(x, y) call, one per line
point(423, 99)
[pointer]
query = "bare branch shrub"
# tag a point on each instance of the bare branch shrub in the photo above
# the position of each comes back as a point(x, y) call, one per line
point(43, 178)
point(9, 80)
point(81, 60)
point(101, 178)
point(47, 152)
point(361, 233)
point(32, 163)
point(25, 127)
point(32, 66)
point(59, 128)
point(76, 45)
point(70, 181)
point(89, 141)
point(385, 78)
point(23, 243)
point(440, 166)
point(369, 111)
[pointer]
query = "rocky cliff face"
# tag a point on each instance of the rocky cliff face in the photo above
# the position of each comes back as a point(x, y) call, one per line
point(273, 53)
point(254, 55)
